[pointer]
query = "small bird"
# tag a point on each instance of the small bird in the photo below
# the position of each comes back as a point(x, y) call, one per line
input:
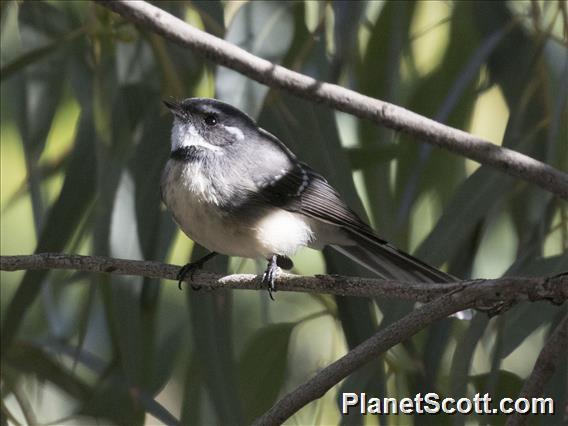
point(237, 190)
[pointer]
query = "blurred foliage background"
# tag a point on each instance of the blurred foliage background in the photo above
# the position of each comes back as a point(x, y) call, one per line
point(84, 137)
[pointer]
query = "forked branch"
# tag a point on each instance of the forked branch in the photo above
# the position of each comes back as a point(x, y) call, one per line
point(442, 300)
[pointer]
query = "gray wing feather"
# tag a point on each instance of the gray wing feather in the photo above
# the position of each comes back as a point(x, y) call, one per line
point(305, 191)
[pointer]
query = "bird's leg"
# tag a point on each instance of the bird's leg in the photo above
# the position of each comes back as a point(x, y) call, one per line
point(190, 268)
point(270, 275)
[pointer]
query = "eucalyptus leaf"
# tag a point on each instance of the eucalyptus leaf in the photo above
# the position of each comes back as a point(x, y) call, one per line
point(76, 195)
point(147, 164)
point(28, 58)
point(113, 400)
point(45, 18)
point(192, 395)
point(368, 157)
point(470, 203)
point(448, 94)
point(124, 242)
point(31, 360)
point(347, 16)
point(210, 316)
point(557, 387)
point(520, 321)
point(378, 75)
point(526, 91)
point(166, 357)
point(154, 229)
point(46, 171)
point(211, 12)
point(262, 368)
point(44, 84)
point(121, 341)
point(98, 397)
point(463, 355)
point(508, 384)
point(263, 28)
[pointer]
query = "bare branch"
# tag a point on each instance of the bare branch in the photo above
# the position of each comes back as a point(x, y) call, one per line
point(390, 336)
point(340, 98)
point(543, 369)
point(443, 299)
point(554, 289)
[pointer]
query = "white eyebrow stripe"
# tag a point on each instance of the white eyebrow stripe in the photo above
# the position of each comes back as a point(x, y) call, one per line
point(185, 134)
point(238, 133)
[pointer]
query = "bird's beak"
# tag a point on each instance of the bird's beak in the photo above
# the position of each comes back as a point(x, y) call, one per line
point(175, 107)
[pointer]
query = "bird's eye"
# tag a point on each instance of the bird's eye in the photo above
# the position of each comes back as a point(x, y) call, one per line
point(210, 120)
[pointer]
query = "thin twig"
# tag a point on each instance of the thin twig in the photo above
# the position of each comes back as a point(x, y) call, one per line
point(388, 337)
point(340, 98)
point(544, 367)
point(330, 284)
point(448, 298)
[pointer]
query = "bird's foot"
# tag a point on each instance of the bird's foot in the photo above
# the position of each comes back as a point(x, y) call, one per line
point(190, 268)
point(270, 276)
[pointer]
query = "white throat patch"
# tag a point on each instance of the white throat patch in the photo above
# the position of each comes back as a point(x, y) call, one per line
point(185, 134)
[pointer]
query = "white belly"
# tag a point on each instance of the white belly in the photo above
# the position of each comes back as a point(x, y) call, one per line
point(193, 204)
point(282, 232)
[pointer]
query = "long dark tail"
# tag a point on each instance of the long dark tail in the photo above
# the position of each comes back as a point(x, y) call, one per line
point(389, 262)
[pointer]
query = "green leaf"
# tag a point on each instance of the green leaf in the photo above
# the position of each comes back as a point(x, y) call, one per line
point(147, 164)
point(438, 337)
point(111, 392)
point(262, 368)
point(212, 328)
point(64, 216)
point(192, 393)
point(557, 386)
point(167, 350)
point(43, 81)
point(213, 341)
point(463, 355)
point(469, 205)
point(521, 321)
point(527, 87)
point(211, 12)
point(46, 171)
point(29, 359)
point(157, 410)
point(116, 401)
point(346, 19)
point(448, 94)
point(154, 227)
point(508, 384)
point(37, 54)
point(44, 18)
point(381, 78)
point(367, 157)
point(263, 28)
point(135, 329)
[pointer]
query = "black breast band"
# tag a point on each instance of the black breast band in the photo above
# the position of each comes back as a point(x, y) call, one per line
point(187, 153)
